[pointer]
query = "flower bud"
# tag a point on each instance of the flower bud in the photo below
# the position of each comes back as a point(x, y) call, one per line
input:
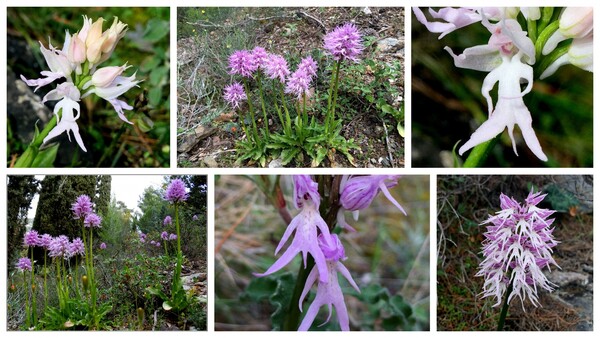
point(84, 280)
point(141, 314)
point(13, 288)
point(104, 76)
point(576, 22)
point(70, 279)
point(94, 51)
point(113, 35)
point(94, 34)
point(32, 287)
point(76, 52)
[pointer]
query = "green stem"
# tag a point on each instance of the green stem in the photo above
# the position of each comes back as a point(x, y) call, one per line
point(281, 120)
point(504, 307)
point(262, 102)
point(288, 121)
point(33, 290)
point(331, 110)
point(543, 38)
point(330, 96)
point(545, 18)
point(532, 30)
point(251, 109)
point(27, 294)
point(292, 318)
point(45, 278)
point(480, 153)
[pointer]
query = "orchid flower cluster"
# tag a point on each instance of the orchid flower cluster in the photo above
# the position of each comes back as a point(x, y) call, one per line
point(312, 235)
point(550, 40)
point(518, 245)
point(343, 43)
point(78, 63)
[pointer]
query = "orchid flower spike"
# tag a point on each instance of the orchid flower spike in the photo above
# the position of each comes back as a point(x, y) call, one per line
point(518, 244)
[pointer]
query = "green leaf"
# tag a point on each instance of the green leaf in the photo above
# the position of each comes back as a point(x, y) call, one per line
point(156, 30)
point(288, 155)
point(159, 76)
point(281, 299)
point(145, 123)
point(45, 158)
point(400, 129)
point(154, 96)
point(260, 288)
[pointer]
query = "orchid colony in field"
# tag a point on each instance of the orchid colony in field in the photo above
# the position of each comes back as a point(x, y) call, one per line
point(290, 91)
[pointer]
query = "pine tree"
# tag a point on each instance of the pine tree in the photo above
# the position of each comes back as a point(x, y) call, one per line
point(20, 193)
point(57, 194)
point(104, 193)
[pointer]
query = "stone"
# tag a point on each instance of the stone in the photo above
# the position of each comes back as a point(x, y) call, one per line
point(387, 45)
point(564, 278)
point(276, 163)
point(210, 162)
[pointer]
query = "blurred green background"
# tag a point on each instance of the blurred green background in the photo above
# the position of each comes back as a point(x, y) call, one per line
point(110, 142)
point(447, 106)
point(388, 250)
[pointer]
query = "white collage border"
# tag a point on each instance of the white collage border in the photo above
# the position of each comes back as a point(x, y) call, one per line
point(210, 172)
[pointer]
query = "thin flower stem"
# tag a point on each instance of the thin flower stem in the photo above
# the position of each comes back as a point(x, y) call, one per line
point(532, 30)
point(28, 157)
point(330, 95)
point(292, 318)
point(288, 121)
point(251, 109)
point(45, 278)
point(262, 102)
point(545, 18)
point(281, 120)
point(335, 91)
point(33, 297)
point(504, 310)
point(27, 294)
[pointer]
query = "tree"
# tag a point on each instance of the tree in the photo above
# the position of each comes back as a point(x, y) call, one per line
point(103, 200)
point(20, 193)
point(153, 210)
point(115, 224)
point(57, 194)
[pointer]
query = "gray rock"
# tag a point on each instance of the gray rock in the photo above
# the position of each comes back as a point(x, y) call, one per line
point(564, 278)
point(24, 108)
point(210, 162)
point(276, 163)
point(387, 45)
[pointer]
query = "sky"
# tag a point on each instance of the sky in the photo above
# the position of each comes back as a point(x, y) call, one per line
point(125, 188)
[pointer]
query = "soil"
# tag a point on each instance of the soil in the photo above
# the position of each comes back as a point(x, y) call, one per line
point(212, 143)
